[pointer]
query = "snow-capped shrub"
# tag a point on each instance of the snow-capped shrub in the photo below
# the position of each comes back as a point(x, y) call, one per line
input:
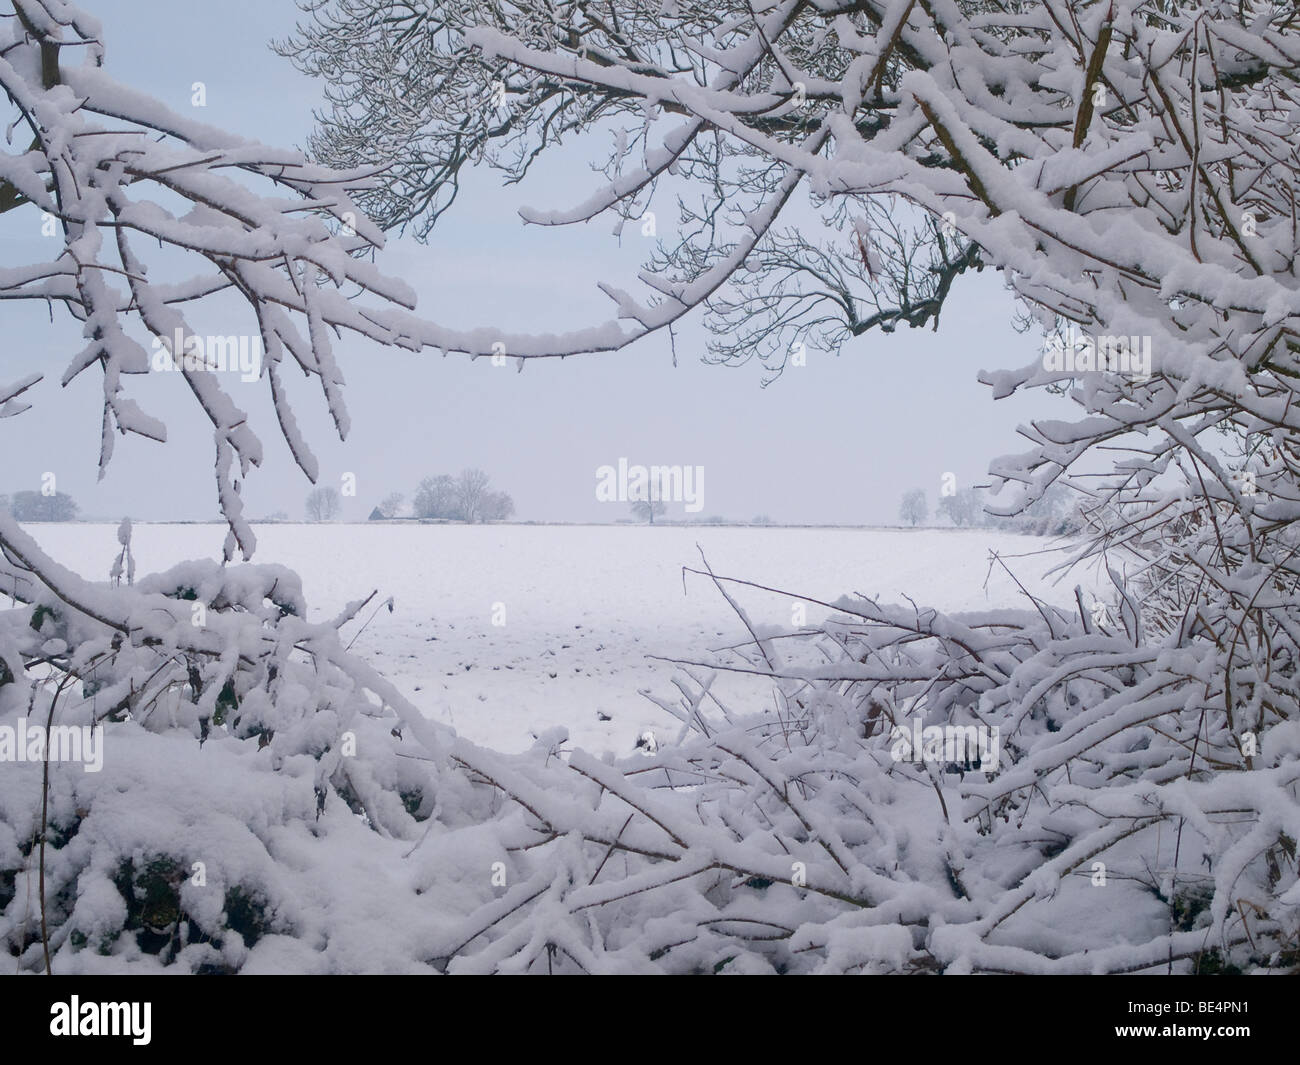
point(244, 770)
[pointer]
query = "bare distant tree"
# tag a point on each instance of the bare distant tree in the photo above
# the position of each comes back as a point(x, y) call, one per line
point(391, 504)
point(497, 506)
point(649, 506)
point(648, 509)
point(914, 509)
point(471, 490)
point(436, 497)
point(964, 507)
point(323, 504)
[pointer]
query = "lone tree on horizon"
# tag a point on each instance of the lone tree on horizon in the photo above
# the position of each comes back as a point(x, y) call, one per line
point(914, 509)
point(323, 504)
point(648, 509)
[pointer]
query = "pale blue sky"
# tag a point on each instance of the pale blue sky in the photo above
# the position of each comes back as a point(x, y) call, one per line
point(837, 441)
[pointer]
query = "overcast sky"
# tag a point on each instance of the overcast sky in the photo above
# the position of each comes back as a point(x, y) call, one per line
point(837, 441)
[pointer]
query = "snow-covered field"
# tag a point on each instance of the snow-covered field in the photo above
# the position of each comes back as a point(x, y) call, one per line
point(584, 615)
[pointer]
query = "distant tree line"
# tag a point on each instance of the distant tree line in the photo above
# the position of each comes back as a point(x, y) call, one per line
point(1054, 514)
point(36, 506)
point(468, 497)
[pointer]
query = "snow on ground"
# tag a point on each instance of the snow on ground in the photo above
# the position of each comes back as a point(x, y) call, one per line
point(582, 611)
